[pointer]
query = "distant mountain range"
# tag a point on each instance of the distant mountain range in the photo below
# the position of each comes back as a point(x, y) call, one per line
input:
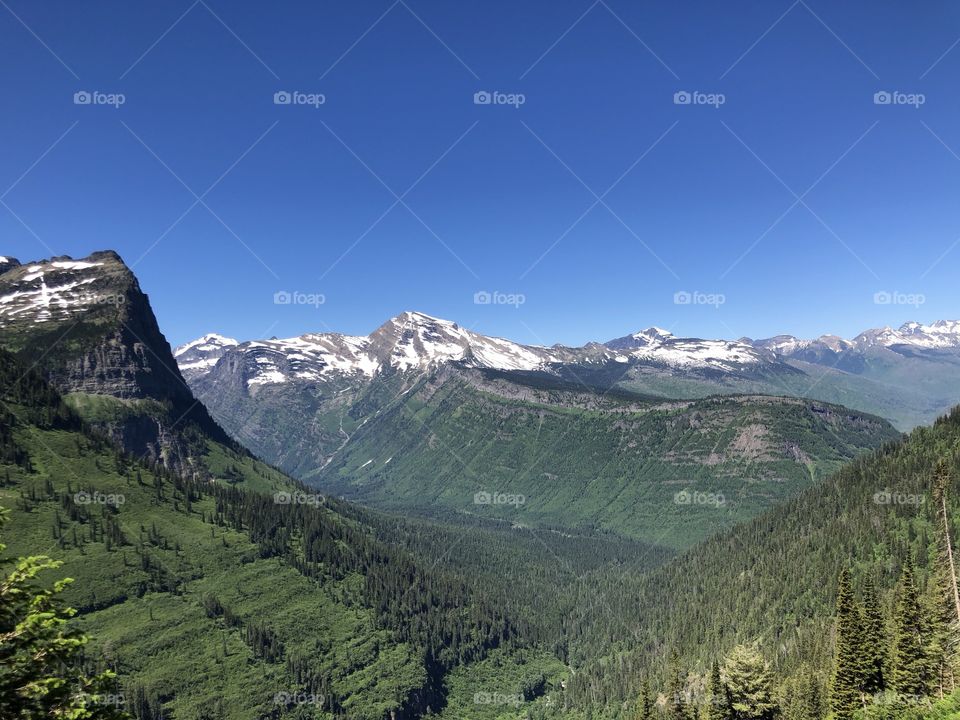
point(909, 375)
point(420, 414)
point(414, 340)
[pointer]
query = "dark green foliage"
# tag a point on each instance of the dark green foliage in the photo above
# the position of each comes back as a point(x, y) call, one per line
point(850, 670)
point(911, 663)
point(875, 641)
point(664, 473)
point(719, 705)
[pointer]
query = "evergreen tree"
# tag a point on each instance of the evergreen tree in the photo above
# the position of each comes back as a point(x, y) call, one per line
point(678, 706)
point(718, 699)
point(749, 685)
point(943, 598)
point(874, 640)
point(849, 669)
point(911, 665)
point(645, 709)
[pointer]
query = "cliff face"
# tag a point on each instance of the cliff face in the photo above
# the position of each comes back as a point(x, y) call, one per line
point(90, 328)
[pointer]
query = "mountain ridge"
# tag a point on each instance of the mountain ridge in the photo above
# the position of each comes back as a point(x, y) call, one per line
point(653, 343)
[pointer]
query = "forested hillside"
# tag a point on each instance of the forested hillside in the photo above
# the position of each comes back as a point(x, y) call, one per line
point(664, 472)
point(772, 583)
point(211, 601)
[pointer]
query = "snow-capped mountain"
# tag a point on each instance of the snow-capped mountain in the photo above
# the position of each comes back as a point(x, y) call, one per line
point(411, 341)
point(940, 334)
point(198, 356)
point(50, 291)
point(417, 342)
point(89, 328)
point(660, 346)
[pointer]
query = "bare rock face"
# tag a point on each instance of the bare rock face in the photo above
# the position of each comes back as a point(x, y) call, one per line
point(8, 263)
point(90, 328)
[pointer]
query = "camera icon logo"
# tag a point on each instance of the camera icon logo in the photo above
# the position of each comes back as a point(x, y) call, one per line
point(683, 497)
point(282, 297)
point(82, 97)
point(882, 97)
point(482, 97)
point(682, 298)
point(682, 97)
point(282, 498)
point(482, 297)
point(482, 498)
point(282, 97)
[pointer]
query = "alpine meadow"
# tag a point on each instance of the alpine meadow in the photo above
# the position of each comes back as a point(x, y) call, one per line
point(410, 360)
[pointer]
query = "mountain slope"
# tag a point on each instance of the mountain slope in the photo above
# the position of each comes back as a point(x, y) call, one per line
point(297, 401)
point(88, 326)
point(772, 580)
point(665, 472)
point(213, 602)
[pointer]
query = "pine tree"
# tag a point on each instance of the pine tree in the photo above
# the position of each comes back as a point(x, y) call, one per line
point(910, 665)
point(749, 684)
point(874, 641)
point(677, 706)
point(849, 670)
point(718, 699)
point(645, 707)
point(943, 598)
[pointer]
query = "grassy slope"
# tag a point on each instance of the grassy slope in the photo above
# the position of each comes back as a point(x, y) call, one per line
point(165, 641)
point(221, 462)
point(617, 471)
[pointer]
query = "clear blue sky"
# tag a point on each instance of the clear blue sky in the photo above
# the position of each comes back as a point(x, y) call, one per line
point(293, 204)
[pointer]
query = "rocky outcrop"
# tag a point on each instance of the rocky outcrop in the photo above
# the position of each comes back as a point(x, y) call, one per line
point(90, 328)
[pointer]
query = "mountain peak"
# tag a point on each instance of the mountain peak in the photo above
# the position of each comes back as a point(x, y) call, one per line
point(414, 317)
point(8, 263)
point(198, 356)
point(654, 332)
point(642, 338)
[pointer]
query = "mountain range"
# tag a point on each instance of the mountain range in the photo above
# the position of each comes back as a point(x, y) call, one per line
point(419, 416)
point(366, 416)
point(908, 375)
point(529, 521)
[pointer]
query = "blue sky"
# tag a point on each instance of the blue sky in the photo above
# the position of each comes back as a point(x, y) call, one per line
point(795, 201)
